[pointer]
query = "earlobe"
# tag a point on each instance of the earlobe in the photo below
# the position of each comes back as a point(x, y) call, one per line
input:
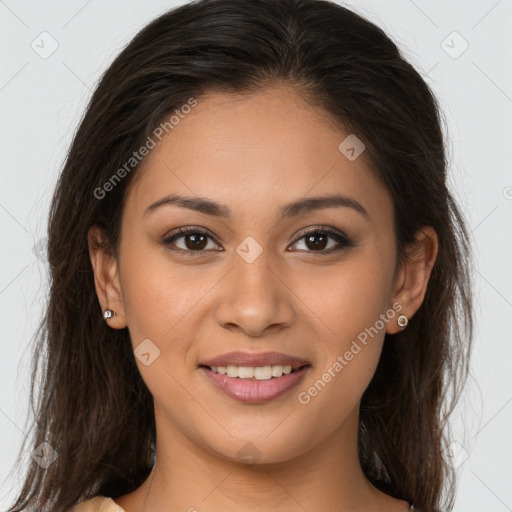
point(106, 279)
point(412, 280)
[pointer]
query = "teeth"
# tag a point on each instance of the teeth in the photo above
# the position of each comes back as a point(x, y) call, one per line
point(247, 372)
point(250, 372)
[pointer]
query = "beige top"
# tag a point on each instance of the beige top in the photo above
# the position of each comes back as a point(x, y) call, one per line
point(97, 504)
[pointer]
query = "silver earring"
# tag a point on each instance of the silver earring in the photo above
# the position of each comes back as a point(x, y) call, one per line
point(109, 313)
point(402, 320)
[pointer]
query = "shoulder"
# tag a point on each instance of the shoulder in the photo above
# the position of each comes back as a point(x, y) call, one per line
point(97, 504)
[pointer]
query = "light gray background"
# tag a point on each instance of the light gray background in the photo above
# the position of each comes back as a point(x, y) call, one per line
point(42, 100)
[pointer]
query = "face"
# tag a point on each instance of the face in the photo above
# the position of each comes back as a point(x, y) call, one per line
point(314, 282)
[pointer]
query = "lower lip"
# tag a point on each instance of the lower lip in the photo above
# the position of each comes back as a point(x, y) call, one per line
point(253, 391)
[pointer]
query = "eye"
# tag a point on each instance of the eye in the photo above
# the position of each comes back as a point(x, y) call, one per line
point(194, 240)
point(317, 240)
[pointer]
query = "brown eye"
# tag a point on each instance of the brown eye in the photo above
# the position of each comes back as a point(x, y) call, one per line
point(195, 241)
point(189, 240)
point(317, 240)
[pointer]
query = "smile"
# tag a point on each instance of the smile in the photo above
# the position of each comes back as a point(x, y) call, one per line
point(254, 384)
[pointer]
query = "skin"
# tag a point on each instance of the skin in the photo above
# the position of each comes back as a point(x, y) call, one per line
point(255, 153)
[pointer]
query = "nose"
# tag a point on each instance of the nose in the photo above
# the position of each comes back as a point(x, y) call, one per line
point(255, 298)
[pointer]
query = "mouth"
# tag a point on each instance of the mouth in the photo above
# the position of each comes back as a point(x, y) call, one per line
point(255, 378)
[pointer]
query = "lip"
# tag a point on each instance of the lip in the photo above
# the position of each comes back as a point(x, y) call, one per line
point(256, 359)
point(255, 392)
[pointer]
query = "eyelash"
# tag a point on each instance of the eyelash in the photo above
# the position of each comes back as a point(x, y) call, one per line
point(342, 240)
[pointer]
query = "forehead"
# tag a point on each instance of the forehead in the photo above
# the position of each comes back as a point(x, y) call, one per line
point(255, 149)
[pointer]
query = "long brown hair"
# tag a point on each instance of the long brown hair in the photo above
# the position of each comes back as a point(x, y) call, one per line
point(92, 406)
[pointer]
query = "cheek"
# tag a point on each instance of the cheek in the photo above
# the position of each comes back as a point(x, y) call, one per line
point(349, 298)
point(352, 308)
point(164, 303)
point(159, 308)
point(156, 295)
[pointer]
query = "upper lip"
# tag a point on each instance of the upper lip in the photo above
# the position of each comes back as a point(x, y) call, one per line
point(256, 359)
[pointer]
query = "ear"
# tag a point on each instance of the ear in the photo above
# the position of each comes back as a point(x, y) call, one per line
point(106, 277)
point(412, 279)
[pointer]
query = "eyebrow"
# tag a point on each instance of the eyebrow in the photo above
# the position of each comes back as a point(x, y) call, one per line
point(308, 204)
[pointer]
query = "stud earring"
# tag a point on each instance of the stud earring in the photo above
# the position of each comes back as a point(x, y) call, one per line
point(109, 313)
point(402, 320)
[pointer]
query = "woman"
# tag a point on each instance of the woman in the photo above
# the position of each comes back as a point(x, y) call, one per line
point(260, 292)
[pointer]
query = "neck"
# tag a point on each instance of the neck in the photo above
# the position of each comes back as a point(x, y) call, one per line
point(191, 478)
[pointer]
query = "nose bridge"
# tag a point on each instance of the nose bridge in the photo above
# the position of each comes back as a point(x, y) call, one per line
point(252, 269)
point(254, 297)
